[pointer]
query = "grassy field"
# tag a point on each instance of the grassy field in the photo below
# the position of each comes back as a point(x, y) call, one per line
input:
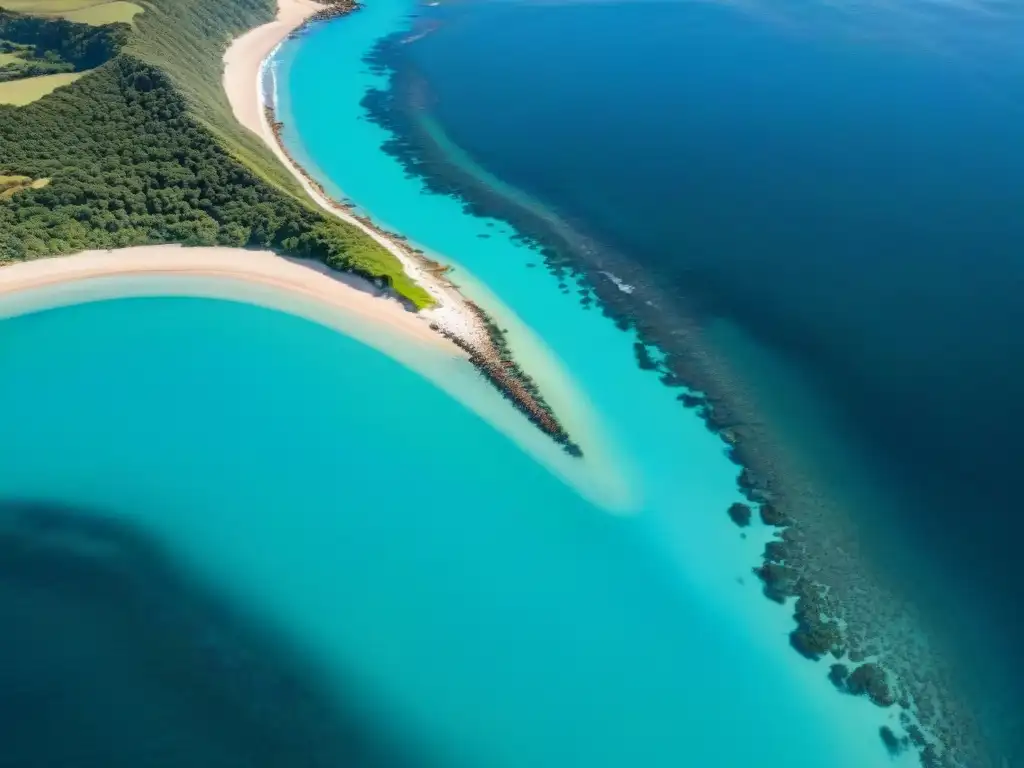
point(186, 39)
point(9, 185)
point(25, 91)
point(105, 13)
point(95, 12)
point(8, 58)
point(47, 7)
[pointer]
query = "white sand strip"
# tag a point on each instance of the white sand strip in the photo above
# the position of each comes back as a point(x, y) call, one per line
point(243, 63)
point(355, 298)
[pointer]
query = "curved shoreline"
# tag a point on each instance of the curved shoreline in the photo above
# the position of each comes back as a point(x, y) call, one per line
point(354, 297)
point(453, 317)
point(344, 303)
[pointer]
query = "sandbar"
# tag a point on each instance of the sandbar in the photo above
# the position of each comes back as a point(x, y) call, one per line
point(243, 66)
point(356, 299)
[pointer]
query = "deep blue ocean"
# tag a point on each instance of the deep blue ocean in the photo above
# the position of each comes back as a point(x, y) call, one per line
point(235, 537)
point(258, 540)
point(842, 184)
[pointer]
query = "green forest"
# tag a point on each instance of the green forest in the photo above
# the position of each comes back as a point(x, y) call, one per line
point(57, 42)
point(132, 159)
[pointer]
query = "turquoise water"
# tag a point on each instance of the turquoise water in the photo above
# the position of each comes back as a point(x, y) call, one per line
point(484, 612)
point(731, 664)
point(487, 613)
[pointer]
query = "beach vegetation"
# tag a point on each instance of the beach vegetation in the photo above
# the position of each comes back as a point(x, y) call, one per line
point(128, 165)
point(144, 148)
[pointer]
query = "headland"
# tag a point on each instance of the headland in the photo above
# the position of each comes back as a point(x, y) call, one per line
point(353, 296)
point(452, 315)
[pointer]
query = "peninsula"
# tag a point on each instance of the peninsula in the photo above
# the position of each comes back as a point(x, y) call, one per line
point(161, 138)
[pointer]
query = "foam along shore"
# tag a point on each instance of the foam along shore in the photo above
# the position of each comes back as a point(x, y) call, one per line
point(453, 315)
point(306, 289)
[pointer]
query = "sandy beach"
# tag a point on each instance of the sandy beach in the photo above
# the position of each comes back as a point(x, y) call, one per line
point(310, 282)
point(245, 57)
point(453, 315)
point(243, 62)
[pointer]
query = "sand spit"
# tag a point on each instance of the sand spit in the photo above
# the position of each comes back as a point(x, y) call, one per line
point(310, 290)
point(355, 298)
point(453, 317)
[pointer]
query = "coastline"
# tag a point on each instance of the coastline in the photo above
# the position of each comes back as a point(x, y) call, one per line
point(355, 297)
point(454, 317)
point(345, 303)
point(900, 687)
point(848, 619)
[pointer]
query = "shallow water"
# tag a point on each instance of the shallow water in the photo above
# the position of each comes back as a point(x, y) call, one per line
point(684, 478)
point(481, 612)
point(838, 182)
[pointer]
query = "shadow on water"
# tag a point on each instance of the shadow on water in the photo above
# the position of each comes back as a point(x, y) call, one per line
point(112, 656)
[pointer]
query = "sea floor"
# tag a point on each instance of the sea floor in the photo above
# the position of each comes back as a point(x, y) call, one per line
point(684, 478)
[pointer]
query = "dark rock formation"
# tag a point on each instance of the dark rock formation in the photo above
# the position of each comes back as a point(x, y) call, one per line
point(916, 736)
point(752, 486)
point(838, 675)
point(333, 9)
point(771, 515)
point(814, 635)
point(669, 379)
point(690, 401)
point(871, 680)
point(740, 514)
point(776, 552)
point(815, 640)
point(779, 581)
point(643, 357)
point(893, 744)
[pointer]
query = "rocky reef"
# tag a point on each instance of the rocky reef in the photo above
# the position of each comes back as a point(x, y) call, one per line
point(740, 514)
point(493, 359)
point(872, 681)
point(868, 680)
point(488, 349)
point(894, 744)
point(814, 560)
point(333, 9)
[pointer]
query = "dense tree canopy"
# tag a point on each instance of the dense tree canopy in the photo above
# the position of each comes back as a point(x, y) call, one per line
point(129, 166)
point(80, 45)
